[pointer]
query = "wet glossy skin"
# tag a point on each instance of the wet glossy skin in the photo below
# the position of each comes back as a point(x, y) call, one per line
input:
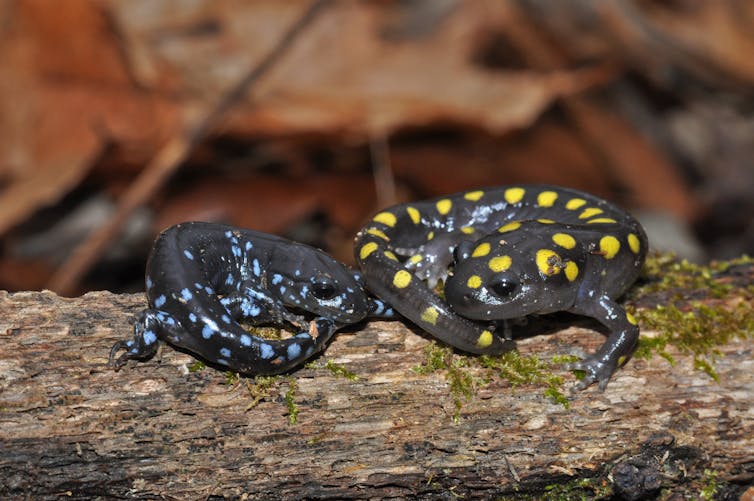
point(514, 251)
point(202, 278)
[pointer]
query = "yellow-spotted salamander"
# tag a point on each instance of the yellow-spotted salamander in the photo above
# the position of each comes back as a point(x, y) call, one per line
point(511, 252)
point(202, 278)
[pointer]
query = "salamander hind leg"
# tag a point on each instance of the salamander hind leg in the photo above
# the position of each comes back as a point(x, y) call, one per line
point(150, 325)
point(624, 333)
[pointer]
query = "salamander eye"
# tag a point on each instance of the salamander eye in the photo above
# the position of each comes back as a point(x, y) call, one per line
point(323, 290)
point(504, 287)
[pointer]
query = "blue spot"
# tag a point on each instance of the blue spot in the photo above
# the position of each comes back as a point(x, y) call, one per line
point(149, 337)
point(222, 361)
point(357, 277)
point(209, 290)
point(297, 273)
point(186, 294)
point(277, 278)
point(192, 317)
point(249, 308)
point(236, 250)
point(248, 246)
point(160, 301)
point(226, 319)
point(188, 254)
point(197, 285)
point(228, 233)
point(304, 290)
point(207, 332)
point(149, 283)
point(245, 339)
point(350, 290)
point(266, 351)
point(229, 280)
point(225, 352)
point(170, 321)
point(303, 335)
point(282, 289)
point(294, 350)
point(257, 269)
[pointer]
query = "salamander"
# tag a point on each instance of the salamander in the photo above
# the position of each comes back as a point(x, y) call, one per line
point(202, 278)
point(505, 253)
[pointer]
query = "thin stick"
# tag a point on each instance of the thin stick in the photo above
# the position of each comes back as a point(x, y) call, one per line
point(167, 160)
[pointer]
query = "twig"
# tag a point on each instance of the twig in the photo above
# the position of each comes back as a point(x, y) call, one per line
point(167, 160)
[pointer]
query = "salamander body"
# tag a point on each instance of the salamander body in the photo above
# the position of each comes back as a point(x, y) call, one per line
point(505, 253)
point(202, 278)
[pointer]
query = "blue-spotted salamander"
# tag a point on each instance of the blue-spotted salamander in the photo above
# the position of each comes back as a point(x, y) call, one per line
point(202, 278)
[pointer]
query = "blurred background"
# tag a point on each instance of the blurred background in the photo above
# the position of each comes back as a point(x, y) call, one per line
point(302, 118)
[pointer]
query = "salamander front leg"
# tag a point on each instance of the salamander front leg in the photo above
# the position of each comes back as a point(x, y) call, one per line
point(624, 333)
point(151, 325)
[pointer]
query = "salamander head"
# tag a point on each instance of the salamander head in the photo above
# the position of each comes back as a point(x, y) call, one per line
point(500, 280)
point(318, 284)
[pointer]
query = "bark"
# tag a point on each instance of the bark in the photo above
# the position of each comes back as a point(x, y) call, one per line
point(71, 426)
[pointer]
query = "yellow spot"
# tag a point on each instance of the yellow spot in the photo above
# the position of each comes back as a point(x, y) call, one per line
point(499, 263)
point(378, 233)
point(602, 220)
point(390, 255)
point(631, 319)
point(591, 211)
point(413, 213)
point(481, 250)
point(474, 195)
point(474, 282)
point(621, 360)
point(468, 230)
point(564, 240)
point(367, 249)
point(545, 221)
point(430, 235)
point(416, 258)
point(401, 279)
point(571, 271)
point(633, 243)
point(609, 246)
point(575, 203)
point(514, 195)
point(443, 206)
point(546, 198)
point(509, 227)
point(386, 218)
point(548, 262)
point(430, 315)
point(485, 339)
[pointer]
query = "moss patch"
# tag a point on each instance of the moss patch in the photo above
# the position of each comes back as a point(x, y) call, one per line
point(693, 326)
point(465, 374)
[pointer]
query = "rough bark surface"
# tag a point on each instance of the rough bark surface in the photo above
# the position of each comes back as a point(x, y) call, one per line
point(70, 426)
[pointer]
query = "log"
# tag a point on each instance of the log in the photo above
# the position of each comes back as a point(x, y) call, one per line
point(71, 426)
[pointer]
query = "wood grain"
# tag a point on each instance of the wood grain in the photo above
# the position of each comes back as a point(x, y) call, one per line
point(71, 426)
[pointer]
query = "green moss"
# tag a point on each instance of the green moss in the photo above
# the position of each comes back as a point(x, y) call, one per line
point(260, 389)
point(692, 327)
point(710, 485)
point(462, 383)
point(698, 330)
point(518, 369)
point(578, 489)
point(290, 401)
point(196, 366)
point(512, 366)
point(336, 370)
